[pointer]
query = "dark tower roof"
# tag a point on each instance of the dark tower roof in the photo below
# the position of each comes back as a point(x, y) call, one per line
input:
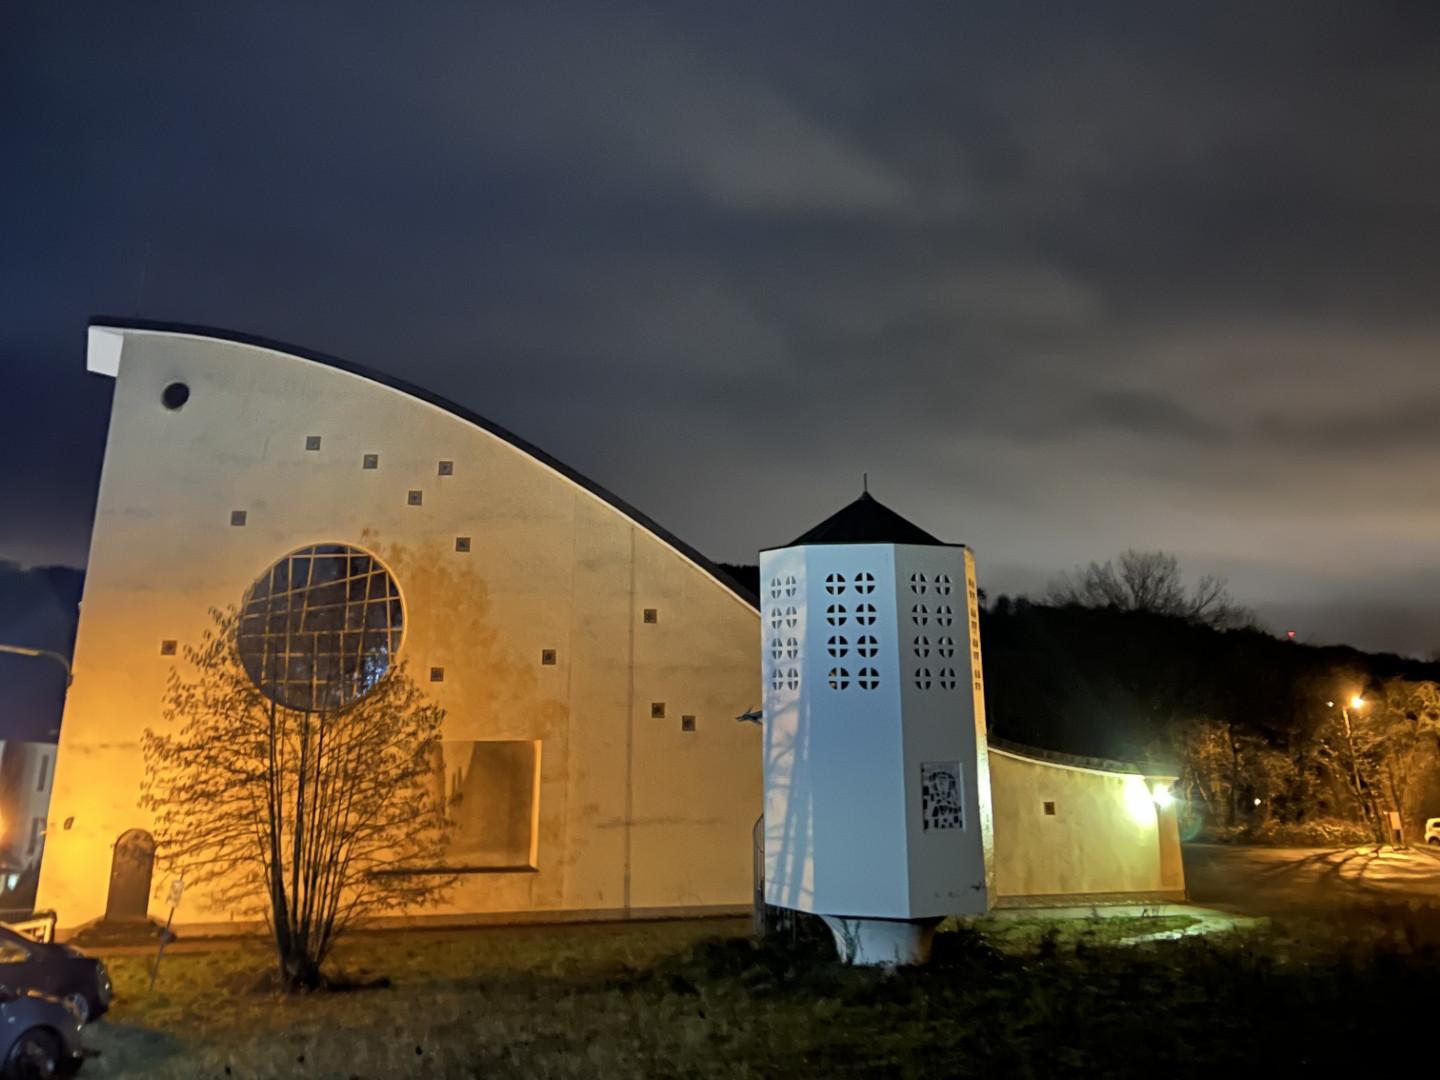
point(866, 521)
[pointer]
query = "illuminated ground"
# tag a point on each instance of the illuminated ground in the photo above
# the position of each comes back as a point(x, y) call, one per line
point(1261, 880)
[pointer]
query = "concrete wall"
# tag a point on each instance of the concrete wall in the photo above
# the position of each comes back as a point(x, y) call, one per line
point(867, 688)
point(634, 813)
point(1105, 837)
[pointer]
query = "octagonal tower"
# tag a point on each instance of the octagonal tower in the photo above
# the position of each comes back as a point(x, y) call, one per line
point(877, 786)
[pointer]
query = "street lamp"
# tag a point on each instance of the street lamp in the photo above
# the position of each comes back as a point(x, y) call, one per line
point(26, 650)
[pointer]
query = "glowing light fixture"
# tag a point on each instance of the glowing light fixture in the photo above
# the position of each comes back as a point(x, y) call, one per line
point(1357, 702)
point(1162, 795)
point(1139, 801)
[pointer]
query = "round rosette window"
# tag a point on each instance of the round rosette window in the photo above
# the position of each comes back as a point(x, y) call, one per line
point(321, 627)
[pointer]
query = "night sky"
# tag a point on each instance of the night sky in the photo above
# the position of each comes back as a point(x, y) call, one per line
point(1062, 281)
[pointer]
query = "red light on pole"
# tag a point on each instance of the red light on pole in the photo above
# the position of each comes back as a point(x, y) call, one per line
point(1290, 635)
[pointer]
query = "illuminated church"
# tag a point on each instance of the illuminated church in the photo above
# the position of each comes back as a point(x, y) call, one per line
point(590, 664)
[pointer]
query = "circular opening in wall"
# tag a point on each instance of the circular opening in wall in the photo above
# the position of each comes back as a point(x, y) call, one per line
point(175, 395)
point(320, 628)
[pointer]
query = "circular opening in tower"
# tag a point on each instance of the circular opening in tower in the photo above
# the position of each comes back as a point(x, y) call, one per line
point(321, 627)
point(175, 395)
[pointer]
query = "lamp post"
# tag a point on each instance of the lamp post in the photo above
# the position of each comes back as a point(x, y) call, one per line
point(26, 650)
point(1357, 703)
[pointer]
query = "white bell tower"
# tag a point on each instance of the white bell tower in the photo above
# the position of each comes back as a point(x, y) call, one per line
point(877, 785)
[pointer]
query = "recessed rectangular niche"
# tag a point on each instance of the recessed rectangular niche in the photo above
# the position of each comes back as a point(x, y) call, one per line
point(447, 468)
point(547, 657)
point(651, 615)
point(370, 461)
point(413, 498)
point(312, 442)
point(687, 723)
point(657, 710)
point(462, 543)
point(437, 674)
point(237, 517)
point(1049, 809)
point(491, 789)
point(167, 647)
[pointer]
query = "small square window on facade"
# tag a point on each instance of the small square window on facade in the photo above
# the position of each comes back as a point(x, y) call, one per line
point(447, 468)
point(312, 442)
point(657, 710)
point(370, 461)
point(687, 723)
point(1049, 809)
point(237, 517)
point(414, 498)
point(651, 615)
point(547, 657)
point(437, 674)
point(462, 543)
point(167, 647)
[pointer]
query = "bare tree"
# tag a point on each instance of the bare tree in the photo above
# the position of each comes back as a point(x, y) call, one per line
point(315, 819)
point(1150, 581)
point(1380, 746)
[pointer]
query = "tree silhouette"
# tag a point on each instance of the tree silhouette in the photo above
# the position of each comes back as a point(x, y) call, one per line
point(311, 818)
point(1150, 581)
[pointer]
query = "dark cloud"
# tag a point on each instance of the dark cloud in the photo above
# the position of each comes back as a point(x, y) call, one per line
point(1061, 281)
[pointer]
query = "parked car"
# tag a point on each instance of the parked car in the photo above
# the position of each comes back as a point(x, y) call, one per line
point(79, 981)
point(1432, 831)
point(39, 1037)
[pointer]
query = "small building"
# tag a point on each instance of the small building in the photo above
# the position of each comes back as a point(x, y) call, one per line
point(26, 771)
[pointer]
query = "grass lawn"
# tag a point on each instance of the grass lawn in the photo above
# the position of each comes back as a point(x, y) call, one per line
point(698, 999)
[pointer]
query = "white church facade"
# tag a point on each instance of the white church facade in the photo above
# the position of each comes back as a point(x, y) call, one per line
point(590, 664)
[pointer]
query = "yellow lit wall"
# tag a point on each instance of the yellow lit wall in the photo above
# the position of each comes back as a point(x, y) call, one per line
point(635, 815)
point(1106, 836)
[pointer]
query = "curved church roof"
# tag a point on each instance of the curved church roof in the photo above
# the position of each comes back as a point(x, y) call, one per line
point(109, 322)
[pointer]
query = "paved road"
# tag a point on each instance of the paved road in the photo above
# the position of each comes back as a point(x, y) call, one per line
point(1261, 881)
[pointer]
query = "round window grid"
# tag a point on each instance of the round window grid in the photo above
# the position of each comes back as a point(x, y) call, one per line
point(834, 584)
point(777, 680)
point(792, 648)
point(864, 582)
point(922, 679)
point(867, 678)
point(839, 678)
point(775, 586)
point(777, 649)
point(837, 646)
point(943, 615)
point(866, 645)
point(922, 646)
point(917, 584)
point(320, 627)
point(836, 614)
point(792, 617)
point(942, 584)
point(792, 678)
point(790, 585)
point(945, 646)
point(776, 618)
point(919, 614)
point(865, 614)
point(947, 678)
